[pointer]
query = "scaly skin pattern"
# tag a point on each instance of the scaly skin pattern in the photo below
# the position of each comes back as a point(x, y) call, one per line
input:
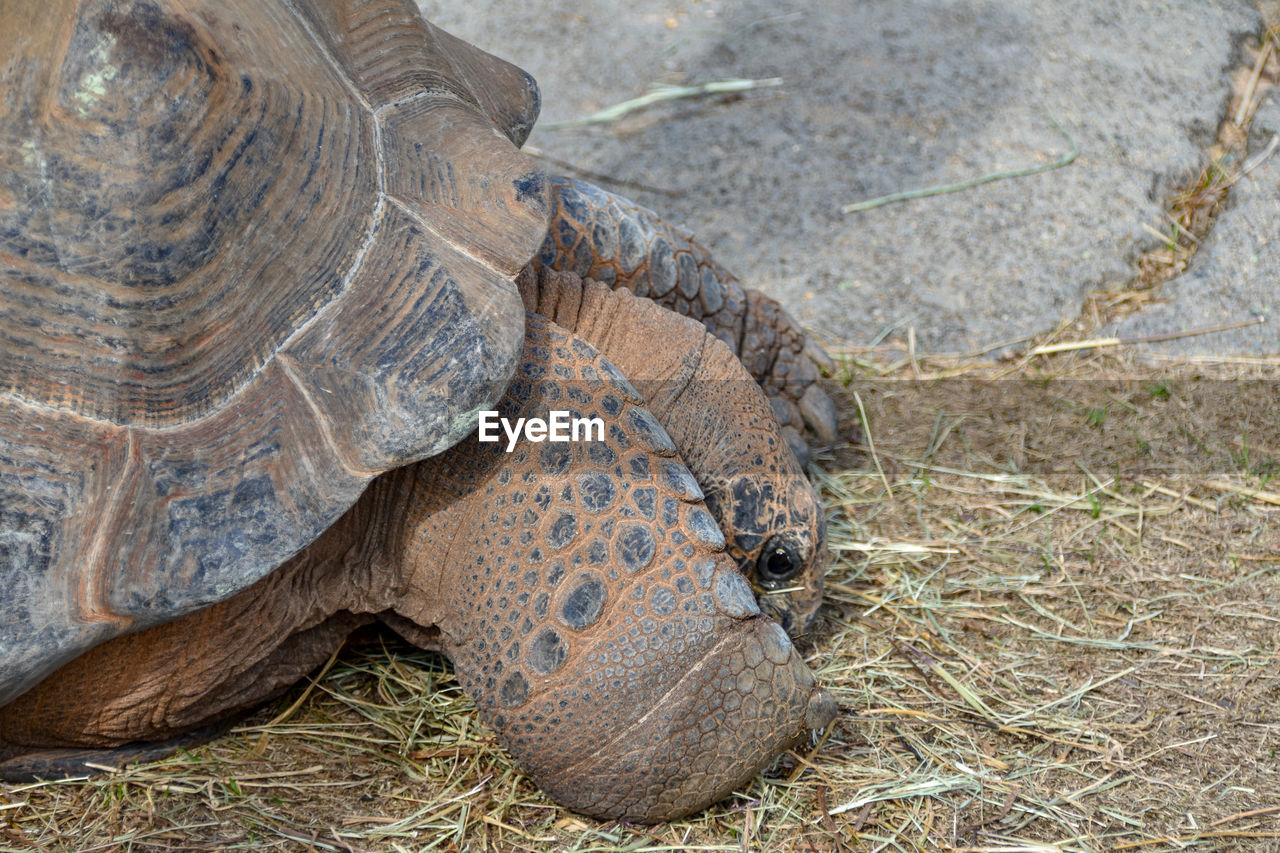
point(582, 591)
point(595, 615)
point(722, 426)
point(601, 236)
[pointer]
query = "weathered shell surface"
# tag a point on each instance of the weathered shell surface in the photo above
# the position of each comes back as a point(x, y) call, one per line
point(251, 255)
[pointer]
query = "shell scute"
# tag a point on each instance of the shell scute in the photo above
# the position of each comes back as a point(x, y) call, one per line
point(224, 304)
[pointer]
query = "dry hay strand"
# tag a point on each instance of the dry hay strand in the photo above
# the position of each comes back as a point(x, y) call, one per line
point(1050, 626)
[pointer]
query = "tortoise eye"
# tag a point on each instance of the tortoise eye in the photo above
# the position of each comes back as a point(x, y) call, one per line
point(778, 563)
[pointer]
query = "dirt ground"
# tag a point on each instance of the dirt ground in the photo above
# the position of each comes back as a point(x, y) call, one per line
point(1051, 625)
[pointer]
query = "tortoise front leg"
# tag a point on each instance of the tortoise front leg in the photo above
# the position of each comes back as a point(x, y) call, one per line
point(722, 426)
point(586, 599)
point(601, 236)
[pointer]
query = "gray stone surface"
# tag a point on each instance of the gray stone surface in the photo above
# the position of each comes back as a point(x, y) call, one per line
point(1236, 275)
point(880, 96)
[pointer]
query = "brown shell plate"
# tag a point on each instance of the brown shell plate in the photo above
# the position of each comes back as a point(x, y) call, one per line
point(251, 255)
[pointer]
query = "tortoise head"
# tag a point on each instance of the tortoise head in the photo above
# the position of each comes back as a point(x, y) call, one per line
point(776, 531)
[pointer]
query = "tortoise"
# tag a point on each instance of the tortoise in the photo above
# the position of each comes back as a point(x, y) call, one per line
point(255, 255)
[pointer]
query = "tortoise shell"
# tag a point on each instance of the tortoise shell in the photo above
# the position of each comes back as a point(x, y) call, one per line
point(252, 254)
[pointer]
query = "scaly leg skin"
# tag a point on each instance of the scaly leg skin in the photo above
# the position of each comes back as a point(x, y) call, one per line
point(601, 236)
point(722, 426)
point(591, 608)
point(581, 589)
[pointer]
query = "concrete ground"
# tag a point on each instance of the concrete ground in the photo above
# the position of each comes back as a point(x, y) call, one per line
point(1236, 276)
point(885, 95)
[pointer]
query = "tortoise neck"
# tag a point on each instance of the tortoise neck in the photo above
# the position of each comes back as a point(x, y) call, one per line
point(418, 514)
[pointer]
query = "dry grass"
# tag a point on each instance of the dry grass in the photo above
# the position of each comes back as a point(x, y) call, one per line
point(1051, 625)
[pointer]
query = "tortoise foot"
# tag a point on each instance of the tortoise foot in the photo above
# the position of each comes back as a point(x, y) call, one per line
point(49, 764)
